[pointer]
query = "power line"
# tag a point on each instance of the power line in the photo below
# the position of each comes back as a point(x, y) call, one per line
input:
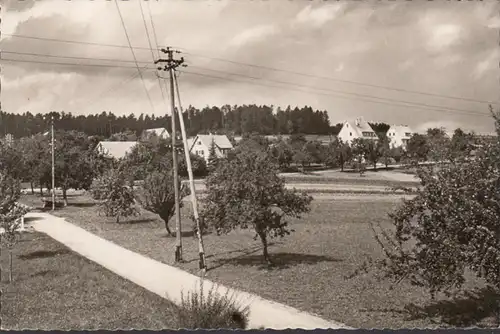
point(268, 68)
point(270, 80)
point(223, 78)
point(68, 64)
point(334, 91)
point(133, 54)
point(150, 46)
point(71, 57)
point(343, 97)
point(344, 81)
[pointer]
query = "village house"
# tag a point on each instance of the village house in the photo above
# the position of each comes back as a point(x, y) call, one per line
point(200, 145)
point(399, 135)
point(160, 132)
point(115, 149)
point(358, 128)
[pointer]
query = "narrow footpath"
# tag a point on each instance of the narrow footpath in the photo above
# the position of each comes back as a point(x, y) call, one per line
point(168, 281)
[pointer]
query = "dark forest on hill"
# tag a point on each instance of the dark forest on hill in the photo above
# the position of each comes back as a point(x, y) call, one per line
point(236, 120)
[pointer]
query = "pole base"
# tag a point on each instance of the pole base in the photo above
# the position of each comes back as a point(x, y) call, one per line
point(178, 254)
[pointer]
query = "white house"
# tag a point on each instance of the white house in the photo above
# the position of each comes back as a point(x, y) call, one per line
point(160, 132)
point(200, 145)
point(115, 149)
point(399, 135)
point(358, 128)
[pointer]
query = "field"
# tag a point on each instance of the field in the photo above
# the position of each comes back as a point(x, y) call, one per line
point(54, 288)
point(329, 243)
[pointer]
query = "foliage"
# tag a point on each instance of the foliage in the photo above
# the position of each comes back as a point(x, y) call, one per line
point(246, 192)
point(367, 149)
point(157, 195)
point(461, 145)
point(10, 213)
point(115, 196)
point(212, 156)
point(282, 154)
point(126, 135)
point(417, 148)
point(200, 311)
point(384, 150)
point(439, 144)
point(397, 153)
point(338, 153)
point(451, 226)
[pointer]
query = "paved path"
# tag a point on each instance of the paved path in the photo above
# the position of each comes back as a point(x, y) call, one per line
point(165, 280)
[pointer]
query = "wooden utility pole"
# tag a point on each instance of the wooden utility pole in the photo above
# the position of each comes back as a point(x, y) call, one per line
point(201, 249)
point(53, 164)
point(170, 66)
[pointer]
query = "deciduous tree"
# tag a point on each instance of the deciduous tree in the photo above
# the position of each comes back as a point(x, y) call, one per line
point(157, 195)
point(246, 192)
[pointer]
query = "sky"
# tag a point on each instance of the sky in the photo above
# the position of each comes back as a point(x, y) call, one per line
point(418, 63)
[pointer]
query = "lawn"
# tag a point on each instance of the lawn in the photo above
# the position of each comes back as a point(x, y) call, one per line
point(329, 243)
point(54, 288)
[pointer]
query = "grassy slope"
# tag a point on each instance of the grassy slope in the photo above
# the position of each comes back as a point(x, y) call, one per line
point(55, 288)
point(328, 243)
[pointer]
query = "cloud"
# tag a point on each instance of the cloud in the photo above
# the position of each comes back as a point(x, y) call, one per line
point(320, 15)
point(253, 35)
point(443, 36)
point(491, 62)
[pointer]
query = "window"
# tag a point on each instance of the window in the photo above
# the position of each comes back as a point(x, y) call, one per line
point(199, 143)
point(347, 125)
point(368, 134)
point(408, 134)
point(350, 134)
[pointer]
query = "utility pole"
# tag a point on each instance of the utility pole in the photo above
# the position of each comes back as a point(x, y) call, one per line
point(170, 66)
point(53, 163)
point(201, 249)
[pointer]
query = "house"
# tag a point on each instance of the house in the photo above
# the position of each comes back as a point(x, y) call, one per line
point(115, 149)
point(160, 132)
point(399, 135)
point(200, 145)
point(358, 128)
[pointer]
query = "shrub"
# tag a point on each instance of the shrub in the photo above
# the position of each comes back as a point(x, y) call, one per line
point(211, 311)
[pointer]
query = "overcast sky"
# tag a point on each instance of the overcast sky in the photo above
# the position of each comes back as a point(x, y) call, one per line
point(442, 48)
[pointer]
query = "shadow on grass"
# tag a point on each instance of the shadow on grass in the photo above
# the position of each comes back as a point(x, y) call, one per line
point(42, 273)
point(471, 308)
point(279, 260)
point(32, 219)
point(466, 310)
point(42, 254)
point(82, 204)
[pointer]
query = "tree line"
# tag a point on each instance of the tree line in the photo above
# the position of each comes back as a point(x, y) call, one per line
point(235, 120)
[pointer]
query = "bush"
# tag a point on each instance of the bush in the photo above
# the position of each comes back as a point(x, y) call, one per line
point(212, 311)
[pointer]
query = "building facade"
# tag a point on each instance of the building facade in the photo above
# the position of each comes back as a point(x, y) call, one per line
point(359, 128)
point(399, 135)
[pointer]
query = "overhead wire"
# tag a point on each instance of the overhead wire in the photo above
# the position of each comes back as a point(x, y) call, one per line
point(331, 95)
point(133, 54)
point(402, 90)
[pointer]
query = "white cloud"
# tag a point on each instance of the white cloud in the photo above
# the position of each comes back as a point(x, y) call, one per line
point(490, 63)
point(443, 36)
point(320, 15)
point(253, 35)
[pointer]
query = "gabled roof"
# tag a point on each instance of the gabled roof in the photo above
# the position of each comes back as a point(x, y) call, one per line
point(158, 131)
point(400, 129)
point(359, 125)
point(116, 149)
point(221, 141)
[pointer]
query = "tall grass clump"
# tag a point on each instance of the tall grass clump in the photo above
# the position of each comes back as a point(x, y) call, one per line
point(211, 311)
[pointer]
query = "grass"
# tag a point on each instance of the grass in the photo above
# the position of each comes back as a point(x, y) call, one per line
point(311, 263)
point(54, 288)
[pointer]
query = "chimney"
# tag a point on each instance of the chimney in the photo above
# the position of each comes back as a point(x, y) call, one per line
point(357, 121)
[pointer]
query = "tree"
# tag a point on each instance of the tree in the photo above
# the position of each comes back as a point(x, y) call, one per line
point(123, 136)
point(212, 156)
point(10, 213)
point(157, 195)
point(384, 149)
point(282, 153)
point(461, 145)
point(337, 154)
point(246, 192)
point(115, 196)
point(439, 144)
point(417, 148)
point(450, 227)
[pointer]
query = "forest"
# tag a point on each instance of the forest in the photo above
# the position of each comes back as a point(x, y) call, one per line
point(234, 120)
